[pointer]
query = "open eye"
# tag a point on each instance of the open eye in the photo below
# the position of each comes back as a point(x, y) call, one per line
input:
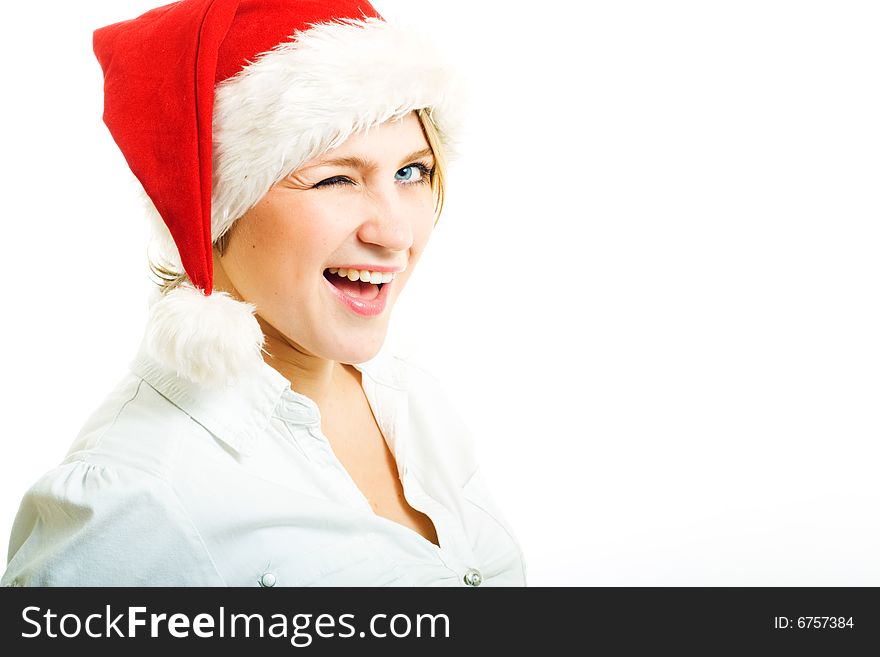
point(414, 173)
point(409, 174)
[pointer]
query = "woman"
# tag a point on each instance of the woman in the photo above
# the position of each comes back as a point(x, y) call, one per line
point(293, 154)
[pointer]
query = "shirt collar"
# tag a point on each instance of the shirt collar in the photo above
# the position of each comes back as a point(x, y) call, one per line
point(238, 413)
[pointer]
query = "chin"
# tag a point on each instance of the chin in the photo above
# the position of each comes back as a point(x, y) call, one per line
point(356, 350)
point(355, 356)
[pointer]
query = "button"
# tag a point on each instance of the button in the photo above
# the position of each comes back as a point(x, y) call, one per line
point(267, 580)
point(472, 577)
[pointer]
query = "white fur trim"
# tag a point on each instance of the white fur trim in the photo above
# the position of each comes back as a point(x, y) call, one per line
point(208, 340)
point(310, 94)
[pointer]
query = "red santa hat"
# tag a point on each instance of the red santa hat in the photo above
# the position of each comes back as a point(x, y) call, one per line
point(214, 101)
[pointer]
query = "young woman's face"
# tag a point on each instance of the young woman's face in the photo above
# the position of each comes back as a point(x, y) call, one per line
point(366, 205)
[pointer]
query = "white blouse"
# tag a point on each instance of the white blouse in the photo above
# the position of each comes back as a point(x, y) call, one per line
point(169, 484)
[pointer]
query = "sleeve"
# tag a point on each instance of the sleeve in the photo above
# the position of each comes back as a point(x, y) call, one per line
point(86, 524)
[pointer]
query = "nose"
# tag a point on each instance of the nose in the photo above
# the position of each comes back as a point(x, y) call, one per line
point(387, 222)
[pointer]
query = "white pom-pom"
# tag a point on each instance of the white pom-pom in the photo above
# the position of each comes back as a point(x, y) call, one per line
point(209, 340)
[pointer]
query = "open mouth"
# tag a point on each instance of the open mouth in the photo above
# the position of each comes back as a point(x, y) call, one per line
point(357, 284)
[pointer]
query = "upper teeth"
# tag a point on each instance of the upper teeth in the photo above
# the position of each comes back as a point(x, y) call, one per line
point(374, 277)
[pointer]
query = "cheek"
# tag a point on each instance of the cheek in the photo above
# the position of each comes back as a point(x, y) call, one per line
point(277, 246)
point(422, 229)
point(423, 225)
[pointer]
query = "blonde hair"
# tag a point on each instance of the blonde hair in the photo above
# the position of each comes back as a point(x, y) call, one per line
point(167, 277)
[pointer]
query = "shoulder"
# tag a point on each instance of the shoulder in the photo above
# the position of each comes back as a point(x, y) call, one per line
point(87, 524)
point(134, 426)
point(432, 396)
point(438, 437)
point(407, 372)
point(109, 513)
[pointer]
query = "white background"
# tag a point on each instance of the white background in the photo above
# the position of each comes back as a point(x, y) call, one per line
point(652, 294)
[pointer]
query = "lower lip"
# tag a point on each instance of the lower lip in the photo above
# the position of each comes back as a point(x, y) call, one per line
point(362, 307)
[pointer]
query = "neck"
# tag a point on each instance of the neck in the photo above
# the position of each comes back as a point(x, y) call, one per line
point(315, 377)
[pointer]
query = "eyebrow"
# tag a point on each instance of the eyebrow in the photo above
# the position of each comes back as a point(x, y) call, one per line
point(360, 163)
